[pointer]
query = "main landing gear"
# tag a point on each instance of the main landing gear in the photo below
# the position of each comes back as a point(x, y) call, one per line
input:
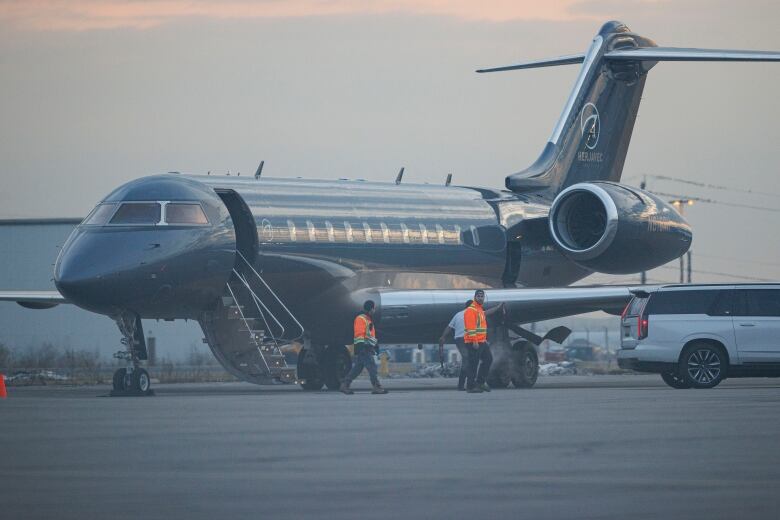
point(323, 365)
point(131, 380)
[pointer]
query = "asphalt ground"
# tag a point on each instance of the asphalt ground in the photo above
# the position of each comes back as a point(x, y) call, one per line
point(573, 447)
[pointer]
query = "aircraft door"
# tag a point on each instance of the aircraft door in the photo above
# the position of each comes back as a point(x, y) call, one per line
point(243, 224)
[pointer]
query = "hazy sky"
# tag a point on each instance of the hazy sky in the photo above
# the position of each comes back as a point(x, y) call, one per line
point(95, 93)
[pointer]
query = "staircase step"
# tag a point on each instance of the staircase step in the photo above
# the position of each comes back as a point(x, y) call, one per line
point(288, 375)
point(275, 360)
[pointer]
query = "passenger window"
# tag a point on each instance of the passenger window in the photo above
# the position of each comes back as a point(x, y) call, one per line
point(405, 233)
point(348, 231)
point(312, 231)
point(440, 233)
point(682, 302)
point(291, 228)
point(759, 302)
point(329, 228)
point(424, 233)
point(724, 304)
point(137, 213)
point(367, 231)
point(191, 214)
point(474, 235)
point(100, 215)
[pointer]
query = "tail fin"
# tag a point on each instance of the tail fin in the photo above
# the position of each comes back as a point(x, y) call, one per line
point(591, 138)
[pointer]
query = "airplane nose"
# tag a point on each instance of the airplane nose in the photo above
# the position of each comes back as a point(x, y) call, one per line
point(79, 277)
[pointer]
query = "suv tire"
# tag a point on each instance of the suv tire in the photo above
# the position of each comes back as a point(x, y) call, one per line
point(703, 365)
point(674, 380)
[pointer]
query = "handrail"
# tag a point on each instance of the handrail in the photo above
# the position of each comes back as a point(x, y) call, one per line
point(279, 301)
point(246, 323)
point(258, 303)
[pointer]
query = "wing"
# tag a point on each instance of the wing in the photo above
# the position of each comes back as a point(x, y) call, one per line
point(421, 315)
point(34, 299)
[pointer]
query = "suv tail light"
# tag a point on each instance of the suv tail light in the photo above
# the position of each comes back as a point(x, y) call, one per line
point(642, 322)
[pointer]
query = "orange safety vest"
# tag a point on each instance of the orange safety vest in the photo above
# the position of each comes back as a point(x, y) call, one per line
point(475, 324)
point(364, 330)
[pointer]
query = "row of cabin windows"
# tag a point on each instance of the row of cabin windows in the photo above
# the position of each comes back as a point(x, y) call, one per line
point(148, 213)
point(364, 233)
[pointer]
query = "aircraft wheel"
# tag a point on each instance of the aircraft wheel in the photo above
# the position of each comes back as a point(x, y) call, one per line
point(336, 365)
point(526, 367)
point(119, 379)
point(309, 370)
point(500, 376)
point(141, 381)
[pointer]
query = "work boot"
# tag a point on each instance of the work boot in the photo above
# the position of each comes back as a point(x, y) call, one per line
point(344, 388)
point(378, 389)
point(485, 387)
point(475, 390)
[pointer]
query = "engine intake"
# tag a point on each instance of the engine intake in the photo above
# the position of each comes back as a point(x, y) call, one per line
point(611, 228)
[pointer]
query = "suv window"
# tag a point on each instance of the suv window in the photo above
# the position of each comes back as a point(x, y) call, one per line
point(757, 302)
point(635, 306)
point(682, 302)
point(724, 304)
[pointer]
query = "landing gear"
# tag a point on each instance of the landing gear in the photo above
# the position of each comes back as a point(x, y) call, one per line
point(323, 366)
point(500, 375)
point(309, 370)
point(525, 366)
point(336, 364)
point(132, 380)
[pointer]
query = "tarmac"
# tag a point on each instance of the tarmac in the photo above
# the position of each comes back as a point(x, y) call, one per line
point(573, 447)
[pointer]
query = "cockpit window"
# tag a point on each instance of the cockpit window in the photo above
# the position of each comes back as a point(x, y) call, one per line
point(137, 213)
point(178, 213)
point(100, 214)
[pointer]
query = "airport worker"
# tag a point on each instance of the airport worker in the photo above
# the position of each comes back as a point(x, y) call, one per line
point(365, 343)
point(475, 338)
point(457, 329)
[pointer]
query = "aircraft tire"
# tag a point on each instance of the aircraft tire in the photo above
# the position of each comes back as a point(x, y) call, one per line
point(119, 379)
point(526, 369)
point(500, 376)
point(141, 381)
point(335, 366)
point(309, 371)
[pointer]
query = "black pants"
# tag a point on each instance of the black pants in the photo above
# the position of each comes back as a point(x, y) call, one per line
point(464, 362)
point(478, 357)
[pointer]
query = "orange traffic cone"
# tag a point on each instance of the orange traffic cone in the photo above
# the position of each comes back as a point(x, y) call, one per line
point(3, 393)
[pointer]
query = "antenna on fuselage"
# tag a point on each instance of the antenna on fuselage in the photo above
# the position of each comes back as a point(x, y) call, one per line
point(400, 176)
point(259, 171)
point(449, 179)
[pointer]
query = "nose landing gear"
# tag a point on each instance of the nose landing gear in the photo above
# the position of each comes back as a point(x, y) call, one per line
point(132, 380)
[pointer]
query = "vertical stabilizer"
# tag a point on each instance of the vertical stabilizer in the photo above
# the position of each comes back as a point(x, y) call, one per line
point(590, 140)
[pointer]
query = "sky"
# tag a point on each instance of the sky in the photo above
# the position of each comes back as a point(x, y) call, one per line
point(96, 93)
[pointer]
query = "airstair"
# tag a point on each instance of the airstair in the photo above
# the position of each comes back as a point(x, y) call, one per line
point(251, 327)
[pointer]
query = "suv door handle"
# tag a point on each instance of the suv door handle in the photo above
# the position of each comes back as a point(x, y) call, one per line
point(747, 324)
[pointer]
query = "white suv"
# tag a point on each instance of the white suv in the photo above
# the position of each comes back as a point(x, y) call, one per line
point(697, 335)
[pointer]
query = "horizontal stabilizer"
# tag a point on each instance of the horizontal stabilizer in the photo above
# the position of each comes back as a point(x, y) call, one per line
point(572, 59)
point(681, 54)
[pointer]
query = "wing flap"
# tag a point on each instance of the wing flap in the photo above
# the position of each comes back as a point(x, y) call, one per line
point(413, 316)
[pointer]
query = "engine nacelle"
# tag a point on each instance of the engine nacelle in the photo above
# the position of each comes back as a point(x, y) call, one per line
point(616, 229)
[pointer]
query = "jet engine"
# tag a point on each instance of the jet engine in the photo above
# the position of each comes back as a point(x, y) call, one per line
point(615, 229)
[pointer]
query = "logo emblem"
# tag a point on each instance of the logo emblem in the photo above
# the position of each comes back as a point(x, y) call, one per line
point(590, 125)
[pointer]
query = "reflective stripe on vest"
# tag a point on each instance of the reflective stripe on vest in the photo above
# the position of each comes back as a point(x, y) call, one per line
point(369, 336)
